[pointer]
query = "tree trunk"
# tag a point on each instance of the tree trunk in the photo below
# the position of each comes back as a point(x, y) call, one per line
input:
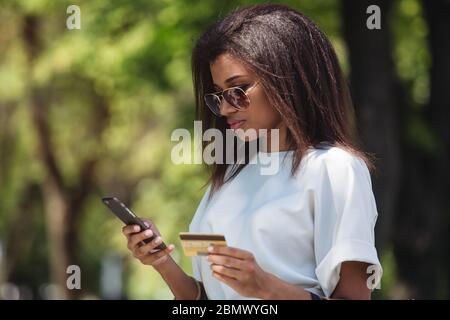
point(422, 239)
point(418, 223)
point(373, 88)
point(63, 205)
point(438, 17)
point(55, 201)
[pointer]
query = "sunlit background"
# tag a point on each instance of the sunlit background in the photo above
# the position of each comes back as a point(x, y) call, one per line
point(87, 113)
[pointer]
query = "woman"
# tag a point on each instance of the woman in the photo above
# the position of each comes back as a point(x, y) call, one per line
point(307, 231)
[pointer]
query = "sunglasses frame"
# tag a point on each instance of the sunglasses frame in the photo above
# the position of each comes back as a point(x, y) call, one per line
point(219, 95)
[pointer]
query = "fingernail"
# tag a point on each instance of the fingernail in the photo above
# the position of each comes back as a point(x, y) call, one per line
point(147, 224)
point(136, 228)
point(158, 240)
point(148, 233)
point(210, 249)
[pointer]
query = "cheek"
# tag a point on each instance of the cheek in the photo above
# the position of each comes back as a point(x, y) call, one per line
point(262, 115)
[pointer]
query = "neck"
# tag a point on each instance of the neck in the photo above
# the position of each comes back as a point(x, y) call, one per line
point(275, 142)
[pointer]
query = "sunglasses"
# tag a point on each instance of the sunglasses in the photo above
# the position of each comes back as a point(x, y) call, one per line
point(236, 96)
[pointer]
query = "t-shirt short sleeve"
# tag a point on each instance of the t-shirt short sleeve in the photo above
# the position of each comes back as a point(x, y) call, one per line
point(345, 214)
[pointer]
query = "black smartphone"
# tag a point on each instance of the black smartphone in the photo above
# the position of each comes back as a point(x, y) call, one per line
point(128, 217)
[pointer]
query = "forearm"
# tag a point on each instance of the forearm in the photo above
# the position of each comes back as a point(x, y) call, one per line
point(277, 289)
point(182, 285)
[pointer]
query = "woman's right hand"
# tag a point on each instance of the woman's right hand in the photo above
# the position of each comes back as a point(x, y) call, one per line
point(144, 252)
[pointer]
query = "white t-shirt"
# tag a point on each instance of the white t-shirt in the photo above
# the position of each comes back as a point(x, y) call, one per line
point(299, 228)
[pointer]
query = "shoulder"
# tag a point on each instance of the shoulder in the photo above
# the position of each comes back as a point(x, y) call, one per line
point(335, 156)
point(336, 163)
point(341, 184)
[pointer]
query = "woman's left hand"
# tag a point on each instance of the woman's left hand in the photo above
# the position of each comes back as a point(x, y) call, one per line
point(238, 269)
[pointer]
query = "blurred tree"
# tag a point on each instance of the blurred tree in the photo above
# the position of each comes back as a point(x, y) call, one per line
point(64, 204)
point(375, 94)
point(98, 122)
point(421, 238)
point(408, 136)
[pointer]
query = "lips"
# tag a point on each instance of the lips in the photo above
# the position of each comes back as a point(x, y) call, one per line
point(235, 124)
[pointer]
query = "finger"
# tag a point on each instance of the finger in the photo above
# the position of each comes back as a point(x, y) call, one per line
point(130, 229)
point(145, 249)
point(147, 222)
point(226, 271)
point(227, 280)
point(230, 251)
point(138, 237)
point(170, 248)
point(150, 225)
point(157, 255)
point(226, 261)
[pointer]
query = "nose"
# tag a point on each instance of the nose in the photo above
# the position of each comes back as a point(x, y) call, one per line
point(226, 108)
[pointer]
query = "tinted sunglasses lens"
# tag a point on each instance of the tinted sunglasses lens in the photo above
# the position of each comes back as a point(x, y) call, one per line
point(237, 98)
point(213, 103)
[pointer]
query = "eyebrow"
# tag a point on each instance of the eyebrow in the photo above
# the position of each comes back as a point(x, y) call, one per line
point(230, 79)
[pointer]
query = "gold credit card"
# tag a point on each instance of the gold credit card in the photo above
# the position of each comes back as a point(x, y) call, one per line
point(196, 244)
